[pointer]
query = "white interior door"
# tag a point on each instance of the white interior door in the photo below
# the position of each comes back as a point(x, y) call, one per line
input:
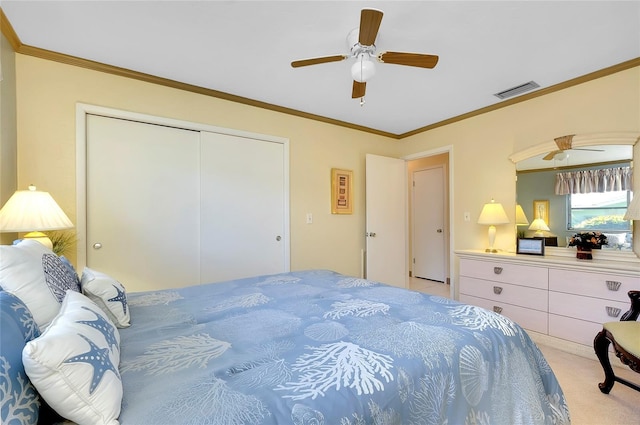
point(143, 189)
point(386, 222)
point(429, 224)
point(243, 208)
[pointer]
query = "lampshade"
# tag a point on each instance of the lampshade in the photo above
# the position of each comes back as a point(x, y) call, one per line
point(539, 225)
point(32, 210)
point(633, 211)
point(491, 214)
point(521, 218)
point(363, 69)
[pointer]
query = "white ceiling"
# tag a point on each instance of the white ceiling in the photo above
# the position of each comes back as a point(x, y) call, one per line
point(245, 48)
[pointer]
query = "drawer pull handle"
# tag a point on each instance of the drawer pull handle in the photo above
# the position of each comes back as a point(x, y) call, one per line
point(497, 309)
point(497, 290)
point(612, 285)
point(497, 270)
point(613, 311)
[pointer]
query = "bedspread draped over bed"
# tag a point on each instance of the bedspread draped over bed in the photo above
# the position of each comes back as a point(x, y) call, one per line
point(317, 347)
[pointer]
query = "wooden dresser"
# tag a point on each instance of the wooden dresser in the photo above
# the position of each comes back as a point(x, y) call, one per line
point(554, 295)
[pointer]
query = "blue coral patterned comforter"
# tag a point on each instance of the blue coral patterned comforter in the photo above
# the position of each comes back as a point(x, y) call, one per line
point(317, 347)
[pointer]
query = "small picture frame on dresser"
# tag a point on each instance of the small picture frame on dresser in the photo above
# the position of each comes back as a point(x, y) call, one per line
point(531, 246)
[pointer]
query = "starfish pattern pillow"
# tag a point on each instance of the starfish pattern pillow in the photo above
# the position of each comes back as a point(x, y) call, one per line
point(74, 363)
point(108, 293)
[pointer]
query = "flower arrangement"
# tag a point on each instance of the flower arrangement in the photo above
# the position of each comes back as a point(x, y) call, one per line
point(593, 240)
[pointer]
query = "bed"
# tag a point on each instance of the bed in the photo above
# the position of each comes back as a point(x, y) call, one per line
point(308, 347)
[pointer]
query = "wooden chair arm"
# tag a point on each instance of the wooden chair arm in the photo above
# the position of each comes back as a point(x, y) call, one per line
point(634, 312)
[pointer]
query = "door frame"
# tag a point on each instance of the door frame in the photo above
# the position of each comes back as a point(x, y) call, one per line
point(84, 109)
point(432, 152)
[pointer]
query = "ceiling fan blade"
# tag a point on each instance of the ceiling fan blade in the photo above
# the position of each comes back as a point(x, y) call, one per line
point(358, 89)
point(409, 59)
point(370, 20)
point(550, 155)
point(316, 61)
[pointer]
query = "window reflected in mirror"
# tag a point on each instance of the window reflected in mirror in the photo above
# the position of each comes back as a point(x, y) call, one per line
point(591, 197)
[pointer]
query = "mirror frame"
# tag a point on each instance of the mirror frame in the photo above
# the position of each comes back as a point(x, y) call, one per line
point(583, 140)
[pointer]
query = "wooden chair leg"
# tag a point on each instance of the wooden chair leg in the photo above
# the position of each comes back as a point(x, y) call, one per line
point(601, 347)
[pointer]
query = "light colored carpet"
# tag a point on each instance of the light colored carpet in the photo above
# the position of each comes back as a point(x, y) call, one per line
point(579, 378)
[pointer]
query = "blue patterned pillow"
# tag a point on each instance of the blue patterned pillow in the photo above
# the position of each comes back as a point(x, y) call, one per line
point(36, 275)
point(19, 400)
point(74, 363)
point(109, 294)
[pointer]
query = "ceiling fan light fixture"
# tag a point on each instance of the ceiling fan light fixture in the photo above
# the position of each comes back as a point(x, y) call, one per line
point(561, 156)
point(363, 69)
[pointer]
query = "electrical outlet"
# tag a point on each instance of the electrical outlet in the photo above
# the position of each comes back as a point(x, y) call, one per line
point(309, 218)
point(467, 216)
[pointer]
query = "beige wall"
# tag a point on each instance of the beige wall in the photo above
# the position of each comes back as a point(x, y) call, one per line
point(482, 144)
point(47, 97)
point(8, 133)
point(47, 93)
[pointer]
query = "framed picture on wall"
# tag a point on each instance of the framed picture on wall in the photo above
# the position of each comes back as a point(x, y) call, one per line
point(341, 191)
point(541, 210)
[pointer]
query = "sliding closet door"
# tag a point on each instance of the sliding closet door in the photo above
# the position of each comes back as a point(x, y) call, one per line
point(244, 227)
point(143, 212)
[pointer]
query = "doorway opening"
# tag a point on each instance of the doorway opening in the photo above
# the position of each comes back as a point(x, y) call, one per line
point(428, 178)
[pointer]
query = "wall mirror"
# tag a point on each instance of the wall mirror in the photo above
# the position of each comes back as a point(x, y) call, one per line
point(537, 168)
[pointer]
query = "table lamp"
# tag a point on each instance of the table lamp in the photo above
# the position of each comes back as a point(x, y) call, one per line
point(33, 211)
point(492, 213)
point(539, 226)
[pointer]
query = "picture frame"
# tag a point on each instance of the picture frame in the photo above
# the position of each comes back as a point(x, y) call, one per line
point(530, 246)
point(541, 210)
point(341, 191)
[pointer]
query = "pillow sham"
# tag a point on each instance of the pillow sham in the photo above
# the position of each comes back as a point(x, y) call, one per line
point(108, 294)
point(74, 363)
point(37, 276)
point(19, 400)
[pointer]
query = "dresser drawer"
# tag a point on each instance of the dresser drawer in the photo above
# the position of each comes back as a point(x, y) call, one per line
point(529, 319)
point(586, 308)
point(598, 285)
point(499, 292)
point(517, 274)
point(575, 330)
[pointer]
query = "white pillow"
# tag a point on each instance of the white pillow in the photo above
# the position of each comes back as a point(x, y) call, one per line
point(33, 273)
point(109, 294)
point(74, 363)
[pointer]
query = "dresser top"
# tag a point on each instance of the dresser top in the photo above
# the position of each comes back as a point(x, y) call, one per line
point(603, 261)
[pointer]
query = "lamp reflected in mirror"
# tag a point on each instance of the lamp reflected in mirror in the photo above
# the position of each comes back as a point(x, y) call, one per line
point(521, 220)
point(539, 226)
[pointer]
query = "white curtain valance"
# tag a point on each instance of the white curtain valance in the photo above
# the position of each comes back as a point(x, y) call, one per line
point(589, 181)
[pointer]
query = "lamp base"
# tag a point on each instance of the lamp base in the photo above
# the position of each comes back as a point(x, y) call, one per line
point(40, 237)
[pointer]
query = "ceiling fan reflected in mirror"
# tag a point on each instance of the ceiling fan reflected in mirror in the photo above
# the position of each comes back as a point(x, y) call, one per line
point(361, 44)
point(564, 144)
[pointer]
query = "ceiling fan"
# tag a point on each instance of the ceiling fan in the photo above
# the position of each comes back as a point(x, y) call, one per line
point(564, 144)
point(361, 42)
